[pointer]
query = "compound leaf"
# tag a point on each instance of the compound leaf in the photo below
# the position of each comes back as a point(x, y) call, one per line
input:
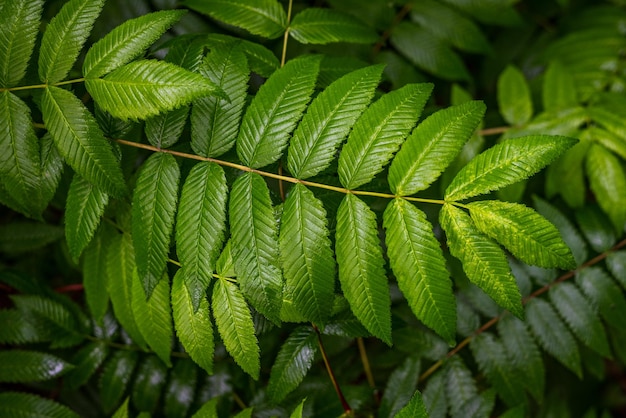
point(14, 404)
point(432, 146)
point(322, 26)
point(418, 264)
point(18, 366)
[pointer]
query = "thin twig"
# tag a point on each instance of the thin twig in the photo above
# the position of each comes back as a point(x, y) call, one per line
point(344, 403)
point(494, 131)
point(367, 368)
point(386, 34)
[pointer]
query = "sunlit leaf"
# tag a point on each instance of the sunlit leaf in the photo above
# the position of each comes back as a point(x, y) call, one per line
point(30, 366)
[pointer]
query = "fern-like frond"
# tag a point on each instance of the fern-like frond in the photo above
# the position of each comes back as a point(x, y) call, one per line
point(254, 241)
point(80, 141)
point(127, 42)
point(328, 120)
point(266, 18)
point(15, 404)
point(608, 182)
point(215, 121)
point(418, 264)
point(306, 255)
point(292, 363)
point(146, 88)
point(379, 132)
point(432, 146)
point(400, 387)
point(153, 210)
point(323, 26)
point(153, 317)
point(361, 266)
point(483, 261)
point(95, 277)
point(64, 38)
point(18, 366)
point(234, 323)
point(506, 163)
point(275, 111)
point(525, 233)
point(19, 24)
point(200, 226)
point(193, 323)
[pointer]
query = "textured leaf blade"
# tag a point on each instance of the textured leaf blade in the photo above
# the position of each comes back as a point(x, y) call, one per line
point(20, 160)
point(483, 261)
point(275, 111)
point(80, 141)
point(418, 264)
point(127, 42)
point(361, 266)
point(506, 163)
point(234, 323)
point(165, 129)
point(14, 404)
point(400, 387)
point(146, 88)
point(18, 366)
point(460, 385)
point(605, 294)
point(214, 120)
point(514, 101)
point(254, 242)
point(379, 132)
point(432, 146)
point(153, 317)
point(153, 209)
point(292, 363)
point(328, 120)
point(193, 324)
point(608, 182)
point(306, 255)
point(261, 60)
point(200, 226)
point(19, 25)
point(322, 26)
point(525, 233)
point(415, 408)
point(266, 18)
point(64, 38)
point(83, 209)
point(95, 277)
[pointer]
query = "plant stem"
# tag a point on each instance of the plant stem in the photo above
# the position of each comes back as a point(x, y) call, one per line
point(366, 367)
point(286, 36)
point(494, 131)
point(344, 403)
point(42, 86)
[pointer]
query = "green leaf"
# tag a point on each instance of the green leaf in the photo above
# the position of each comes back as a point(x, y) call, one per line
point(20, 159)
point(146, 88)
point(322, 26)
point(21, 327)
point(460, 385)
point(80, 141)
point(261, 60)
point(115, 377)
point(559, 89)
point(214, 120)
point(604, 294)
point(434, 395)
point(418, 264)
point(64, 38)
point(524, 355)
point(154, 317)
point(234, 323)
point(616, 263)
point(87, 360)
point(153, 210)
point(506, 163)
point(400, 387)
point(566, 175)
point(95, 277)
point(19, 25)
point(25, 405)
point(481, 405)
point(581, 317)
point(483, 261)
point(297, 413)
point(266, 18)
point(492, 360)
point(17, 366)
point(432, 146)
point(596, 227)
point(275, 111)
point(415, 408)
point(428, 52)
point(165, 129)
point(514, 101)
point(306, 255)
point(149, 381)
point(552, 334)
point(200, 226)
point(525, 233)
point(193, 325)
point(83, 210)
point(254, 241)
point(328, 120)
point(122, 411)
point(179, 392)
point(361, 266)
point(492, 12)
point(292, 363)
point(119, 270)
point(22, 236)
point(608, 182)
point(609, 140)
point(379, 132)
point(127, 42)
